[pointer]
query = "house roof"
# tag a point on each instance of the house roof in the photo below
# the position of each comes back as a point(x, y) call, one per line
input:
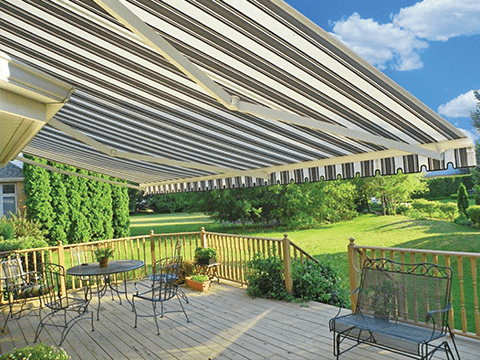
point(178, 96)
point(10, 172)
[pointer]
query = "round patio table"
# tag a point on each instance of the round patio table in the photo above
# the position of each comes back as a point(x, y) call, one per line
point(114, 267)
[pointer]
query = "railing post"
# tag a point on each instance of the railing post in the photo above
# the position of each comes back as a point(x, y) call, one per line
point(152, 247)
point(287, 264)
point(352, 272)
point(61, 261)
point(203, 237)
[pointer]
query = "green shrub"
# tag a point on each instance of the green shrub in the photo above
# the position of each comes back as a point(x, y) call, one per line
point(40, 351)
point(403, 208)
point(311, 281)
point(265, 278)
point(473, 213)
point(26, 228)
point(448, 210)
point(425, 206)
point(463, 219)
point(6, 230)
point(416, 215)
point(318, 282)
point(23, 243)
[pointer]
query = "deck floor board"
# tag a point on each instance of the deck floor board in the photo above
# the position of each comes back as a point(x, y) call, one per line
point(225, 324)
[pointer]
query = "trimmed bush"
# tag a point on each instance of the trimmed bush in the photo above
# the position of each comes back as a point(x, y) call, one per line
point(440, 187)
point(425, 206)
point(463, 219)
point(473, 213)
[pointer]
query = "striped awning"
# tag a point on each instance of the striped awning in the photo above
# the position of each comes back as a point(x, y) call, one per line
point(199, 94)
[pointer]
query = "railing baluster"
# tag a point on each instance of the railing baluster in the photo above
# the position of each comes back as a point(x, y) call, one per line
point(473, 267)
point(463, 312)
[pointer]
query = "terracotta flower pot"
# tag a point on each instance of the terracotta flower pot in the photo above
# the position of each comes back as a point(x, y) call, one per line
point(198, 285)
point(104, 262)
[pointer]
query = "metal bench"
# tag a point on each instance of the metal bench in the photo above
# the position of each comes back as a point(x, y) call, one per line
point(400, 307)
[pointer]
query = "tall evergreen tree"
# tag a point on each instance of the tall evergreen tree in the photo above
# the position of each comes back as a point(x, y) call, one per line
point(61, 218)
point(85, 201)
point(121, 216)
point(462, 201)
point(97, 218)
point(37, 190)
point(106, 209)
point(79, 228)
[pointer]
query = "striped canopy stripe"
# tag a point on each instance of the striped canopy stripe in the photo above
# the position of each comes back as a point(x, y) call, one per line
point(131, 99)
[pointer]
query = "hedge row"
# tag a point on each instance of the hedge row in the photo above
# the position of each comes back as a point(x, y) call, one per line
point(445, 186)
point(73, 209)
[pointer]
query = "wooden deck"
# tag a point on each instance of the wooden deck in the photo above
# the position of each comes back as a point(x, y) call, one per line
point(224, 324)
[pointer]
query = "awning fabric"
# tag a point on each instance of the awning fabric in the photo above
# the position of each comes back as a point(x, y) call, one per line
point(309, 108)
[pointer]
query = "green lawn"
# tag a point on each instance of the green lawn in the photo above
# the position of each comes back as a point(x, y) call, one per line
point(330, 241)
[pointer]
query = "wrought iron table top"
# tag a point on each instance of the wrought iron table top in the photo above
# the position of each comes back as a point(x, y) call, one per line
point(114, 267)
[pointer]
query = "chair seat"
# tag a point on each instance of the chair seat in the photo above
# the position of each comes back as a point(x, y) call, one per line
point(383, 332)
point(34, 290)
point(163, 277)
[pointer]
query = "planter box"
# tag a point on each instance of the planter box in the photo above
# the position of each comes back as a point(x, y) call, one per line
point(197, 285)
point(206, 262)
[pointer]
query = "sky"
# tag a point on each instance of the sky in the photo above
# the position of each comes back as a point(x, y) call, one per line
point(431, 48)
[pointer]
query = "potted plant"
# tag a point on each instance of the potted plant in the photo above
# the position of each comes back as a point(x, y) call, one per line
point(198, 282)
point(205, 256)
point(186, 271)
point(102, 254)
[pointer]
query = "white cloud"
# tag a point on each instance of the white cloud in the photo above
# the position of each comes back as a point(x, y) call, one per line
point(440, 19)
point(380, 44)
point(472, 135)
point(398, 44)
point(460, 106)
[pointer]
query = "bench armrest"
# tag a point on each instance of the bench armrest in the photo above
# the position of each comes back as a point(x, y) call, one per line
point(342, 305)
point(432, 312)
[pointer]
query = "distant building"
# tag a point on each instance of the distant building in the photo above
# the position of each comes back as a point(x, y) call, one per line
point(12, 196)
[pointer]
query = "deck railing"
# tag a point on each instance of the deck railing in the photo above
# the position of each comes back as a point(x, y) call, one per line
point(464, 316)
point(234, 251)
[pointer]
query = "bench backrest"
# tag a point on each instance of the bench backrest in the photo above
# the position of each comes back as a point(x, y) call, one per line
point(405, 292)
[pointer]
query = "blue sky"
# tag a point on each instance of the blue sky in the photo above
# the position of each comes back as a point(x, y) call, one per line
point(431, 48)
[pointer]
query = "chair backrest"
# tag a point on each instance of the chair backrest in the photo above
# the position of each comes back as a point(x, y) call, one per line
point(52, 277)
point(178, 248)
point(166, 274)
point(78, 255)
point(407, 292)
point(13, 272)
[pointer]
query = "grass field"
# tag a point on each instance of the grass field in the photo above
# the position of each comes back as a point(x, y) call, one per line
point(331, 241)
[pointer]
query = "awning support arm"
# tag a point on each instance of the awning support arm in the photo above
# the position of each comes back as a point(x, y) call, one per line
point(65, 172)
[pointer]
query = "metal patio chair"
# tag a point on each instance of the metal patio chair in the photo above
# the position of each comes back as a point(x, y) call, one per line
point(53, 278)
point(18, 286)
point(177, 253)
point(163, 287)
